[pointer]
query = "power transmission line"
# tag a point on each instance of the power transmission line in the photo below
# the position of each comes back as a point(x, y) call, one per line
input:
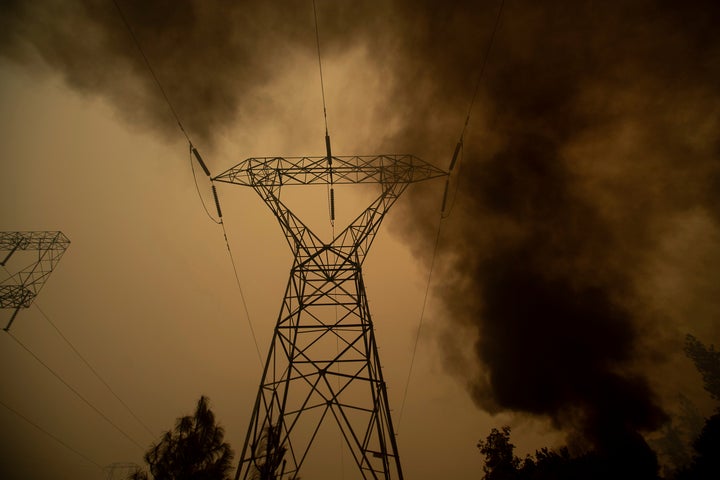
point(95, 372)
point(482, 66)
point(54, 437)
point(330, 186)
point(194, 152)
point(420, 324)
point(78, 394)
point(89, 366)
point(459, 149)
point(322, 83)
point(150, 68)
point(242, 297)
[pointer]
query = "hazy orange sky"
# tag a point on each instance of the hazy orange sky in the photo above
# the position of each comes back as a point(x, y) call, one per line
point(146, 291)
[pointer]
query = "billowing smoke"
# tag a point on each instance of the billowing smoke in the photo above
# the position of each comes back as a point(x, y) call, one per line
point(209, 56)
point(599, 133)
point(595, 133)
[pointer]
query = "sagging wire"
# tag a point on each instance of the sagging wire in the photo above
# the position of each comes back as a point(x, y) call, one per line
point(87, 364)
point(331, 188)
point(220, 221)
point(460, 144)
point(444, 211)
point(92, 369)
point(420, 324)
point(242, 296)
point(150, 68)
point(328, 150)
point(77, 394)
point(194, 153)
point(54, 437)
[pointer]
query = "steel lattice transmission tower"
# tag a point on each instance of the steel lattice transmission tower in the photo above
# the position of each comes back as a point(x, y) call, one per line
point(323, 364)
point(20, 289)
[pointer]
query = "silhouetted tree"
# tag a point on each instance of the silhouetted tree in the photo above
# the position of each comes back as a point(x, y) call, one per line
point(677, 436)
point(627, 456)
point(271, 455)
point(707, 362)
point(706, 461)
point(632, 460)
point(500, 460)
point(194, 450)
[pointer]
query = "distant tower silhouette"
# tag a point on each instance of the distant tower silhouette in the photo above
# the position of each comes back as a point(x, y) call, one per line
point(20, 289)
point(323, 364)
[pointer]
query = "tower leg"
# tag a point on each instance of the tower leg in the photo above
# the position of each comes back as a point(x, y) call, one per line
point(323, 369)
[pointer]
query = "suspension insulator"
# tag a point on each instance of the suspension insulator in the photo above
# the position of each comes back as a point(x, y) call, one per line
point(329, 150)
point(332, 204)
point(217, 201)
point(445, 193)
point(200, 161)
point(455, 155)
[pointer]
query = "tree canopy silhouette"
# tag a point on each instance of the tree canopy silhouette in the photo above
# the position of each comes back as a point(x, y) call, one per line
point(633, 460)
point(500, 461)
point(706, 460)
point(193, 450)
point(271, 455)
point(630, 457)
point(707, 362)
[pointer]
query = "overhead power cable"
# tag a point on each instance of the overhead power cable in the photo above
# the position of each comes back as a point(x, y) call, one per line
point(196, 154)
point(242, 296)
point(150, 68)
point(328, 149)
point(322, 83)
point(486, 55)
point(331, 196)
point(73, 390)
point(95, 372)
point(419, 328)
point(87, 363)
point(460, 144)
point(227, 244)
point(445, 213)
point(54, 437)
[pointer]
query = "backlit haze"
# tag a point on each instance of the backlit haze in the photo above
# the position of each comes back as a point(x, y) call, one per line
point(583, 241)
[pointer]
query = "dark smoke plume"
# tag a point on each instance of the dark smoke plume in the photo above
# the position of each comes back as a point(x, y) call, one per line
point(594, 134)
point(209, 55)
point(600, 127)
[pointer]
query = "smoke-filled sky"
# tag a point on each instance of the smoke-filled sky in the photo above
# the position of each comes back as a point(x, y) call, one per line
point(582, 242)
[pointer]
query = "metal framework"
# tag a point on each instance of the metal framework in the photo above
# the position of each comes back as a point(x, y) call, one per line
point(323, 364)
point(20, 289)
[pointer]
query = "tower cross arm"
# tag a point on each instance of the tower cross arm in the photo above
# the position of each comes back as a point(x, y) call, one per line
point(280, 171)
point(32, 240)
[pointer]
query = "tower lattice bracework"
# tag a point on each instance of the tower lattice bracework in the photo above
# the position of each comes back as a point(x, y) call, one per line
point(323, 365)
